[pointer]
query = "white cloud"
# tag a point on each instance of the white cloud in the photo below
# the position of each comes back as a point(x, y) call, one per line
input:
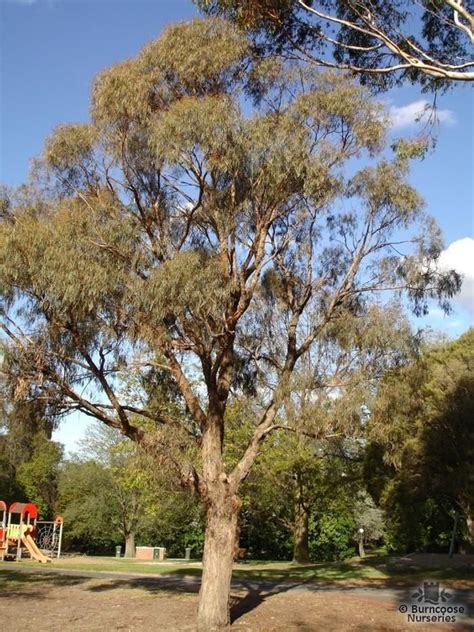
point(437, 312)
point(419, 112)
point(455, 324)
point(459, 256)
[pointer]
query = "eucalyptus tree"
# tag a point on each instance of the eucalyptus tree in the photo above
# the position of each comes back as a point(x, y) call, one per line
point(177, 225)
point(384, 43)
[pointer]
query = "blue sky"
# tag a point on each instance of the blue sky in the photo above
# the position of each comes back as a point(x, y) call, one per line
point(51, 49)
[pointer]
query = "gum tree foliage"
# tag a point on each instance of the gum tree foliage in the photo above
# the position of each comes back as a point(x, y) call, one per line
point(176, 228)
point(385, 43)
point(423, 425)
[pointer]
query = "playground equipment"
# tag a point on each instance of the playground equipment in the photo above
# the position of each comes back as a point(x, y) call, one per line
point(20, 529)
point(49, 535)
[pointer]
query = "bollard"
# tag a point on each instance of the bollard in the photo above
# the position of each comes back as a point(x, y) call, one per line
point(187, 553)
point(118, 551)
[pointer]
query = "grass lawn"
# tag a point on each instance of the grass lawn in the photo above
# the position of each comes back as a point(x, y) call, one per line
point(373, 568)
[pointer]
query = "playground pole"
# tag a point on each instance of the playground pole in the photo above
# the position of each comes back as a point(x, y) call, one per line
point(60, 539)
point(18, 541)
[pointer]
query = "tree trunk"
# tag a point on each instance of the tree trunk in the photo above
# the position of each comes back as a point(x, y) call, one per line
point(219, 545)
point(470, 527)
point(301, 541)
point(301, 528)
point(453, 535)
point(130, 545)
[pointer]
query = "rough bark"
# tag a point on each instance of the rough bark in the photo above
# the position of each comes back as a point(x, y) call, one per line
point(130, 545)
point(219, 545)
point(301, 533)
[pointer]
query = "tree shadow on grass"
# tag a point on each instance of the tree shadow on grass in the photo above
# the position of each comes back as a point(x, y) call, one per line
point(12, 584)
point(393, 592)
point(253, 596)
point(256, 595)
point(153, 585)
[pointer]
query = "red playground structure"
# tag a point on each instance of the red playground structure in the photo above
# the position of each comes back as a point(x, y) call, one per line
point(19, 530)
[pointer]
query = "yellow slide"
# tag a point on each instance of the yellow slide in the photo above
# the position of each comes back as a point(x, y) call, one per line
point(35, 553)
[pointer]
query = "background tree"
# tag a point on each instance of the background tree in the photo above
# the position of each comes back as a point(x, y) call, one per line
point(131, 483)
point(424, 422)
point(369, 517)
point(9, 487)
point(385, 43)
point(308, 488)
point(297, 491)
point(38, 476)
point(176, 228)
point(89, 507)
point(92, 502)
point(28, 456)
point(178, 524)
point(306, 502)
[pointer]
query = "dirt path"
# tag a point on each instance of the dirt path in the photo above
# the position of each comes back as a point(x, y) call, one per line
point(77, 601)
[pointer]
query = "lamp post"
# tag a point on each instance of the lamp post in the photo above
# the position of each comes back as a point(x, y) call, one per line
point(360, 540)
